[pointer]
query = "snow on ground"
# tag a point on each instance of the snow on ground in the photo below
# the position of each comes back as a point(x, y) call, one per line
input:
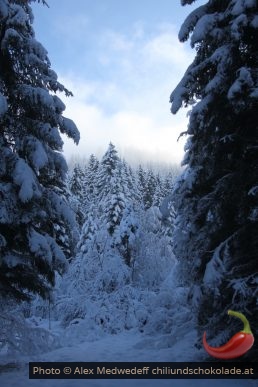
point(126, 346)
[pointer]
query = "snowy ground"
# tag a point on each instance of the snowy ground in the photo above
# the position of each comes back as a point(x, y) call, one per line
point(126, 346)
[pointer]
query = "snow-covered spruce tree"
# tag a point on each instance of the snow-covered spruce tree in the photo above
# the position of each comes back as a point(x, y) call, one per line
point(168, 184)
point(114, 203)
point(141, 182)
point(112, 189)
point(66, 229)
point(107, 167)
point(150, 188)
point(117, 205)
point(131, 183)
point(76, 184)
point(90, 180)
point(154, 256)
point(217, 197)
point(89, 230)
point(159, 191)
point(126, 235)
point(32, 168)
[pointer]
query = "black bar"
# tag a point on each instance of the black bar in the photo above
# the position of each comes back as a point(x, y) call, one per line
point(143, 370)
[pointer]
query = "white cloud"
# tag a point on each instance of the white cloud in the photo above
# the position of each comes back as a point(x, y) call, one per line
point(127, 130)
point(165, 48)
point(130, 104)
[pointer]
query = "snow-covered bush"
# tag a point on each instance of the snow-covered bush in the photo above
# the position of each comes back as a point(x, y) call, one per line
point(154, 257)
point(24, 336)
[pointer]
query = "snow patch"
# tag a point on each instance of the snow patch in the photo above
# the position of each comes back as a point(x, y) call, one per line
point(39, 245)
point(69, 127)
point(26, 179)
point(215, 270)
point(244, 80)
point(240, 6)
point(17, 16)
point(203, 27)
point(190, 22)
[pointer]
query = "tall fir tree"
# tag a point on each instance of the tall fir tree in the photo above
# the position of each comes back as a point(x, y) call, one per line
point(66, 232)
point(32, 167)
point(114, 203)
point(126, 234)
point(131, 182)
point(90, 179)
point(217, 197)
point(106, 171)
point(77, 187)
point(141, 183)
point(159, 191)
point(115, 193)
point(77, 182)
point(150, 188)
point(168, 184)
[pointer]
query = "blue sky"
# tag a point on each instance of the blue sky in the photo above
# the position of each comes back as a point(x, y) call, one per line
point(121, 60)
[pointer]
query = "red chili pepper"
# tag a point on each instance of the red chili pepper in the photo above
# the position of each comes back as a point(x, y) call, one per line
point(237, 346)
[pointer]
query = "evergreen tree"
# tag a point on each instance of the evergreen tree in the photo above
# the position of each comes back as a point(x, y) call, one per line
point(150, 188)
point(159, 191)
point(32, 168)
point(217, 197)
point(154, 256)
point(126, 235)
point(112, 200)
point(66, 231)
point(90, 179)
point(114, 203)
point(107, 168)
point(168, 184)
point(77, 182)
point(141, 182)
point(111, 189)
point(117, 192)
point(130, 182)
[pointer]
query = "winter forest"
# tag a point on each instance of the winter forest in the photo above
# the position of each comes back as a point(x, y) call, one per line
point(105, 261)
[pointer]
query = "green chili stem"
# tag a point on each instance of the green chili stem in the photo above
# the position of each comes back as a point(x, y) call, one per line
point(247, 328)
